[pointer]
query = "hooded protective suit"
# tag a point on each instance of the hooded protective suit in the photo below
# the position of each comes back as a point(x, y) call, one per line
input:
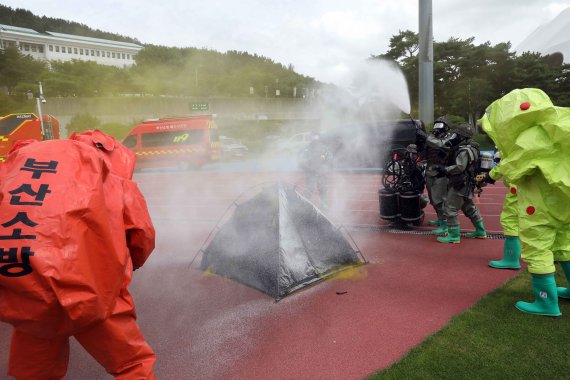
point(533, 137)
point(72, 226)
point(437, 153)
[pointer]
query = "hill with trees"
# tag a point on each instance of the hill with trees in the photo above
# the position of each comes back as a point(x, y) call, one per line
point(468, 77)
point(159, 70)
point(23, 18)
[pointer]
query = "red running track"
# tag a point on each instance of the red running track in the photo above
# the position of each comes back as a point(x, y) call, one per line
point(208, 327)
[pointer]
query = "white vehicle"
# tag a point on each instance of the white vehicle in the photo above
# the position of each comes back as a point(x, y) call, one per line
point(232, 148)
point(295, 143)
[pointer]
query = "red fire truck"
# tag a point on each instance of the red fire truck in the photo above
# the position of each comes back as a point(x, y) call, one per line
point(181, 142)
point(25, 126)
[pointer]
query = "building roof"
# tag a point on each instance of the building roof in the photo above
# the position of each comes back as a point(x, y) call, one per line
point(95, 40)
point(17, 29)
point(67, 37)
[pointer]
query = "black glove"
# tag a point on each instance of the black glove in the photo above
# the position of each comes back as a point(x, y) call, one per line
point(488, 179)
point(441, 172)
point(453, 140)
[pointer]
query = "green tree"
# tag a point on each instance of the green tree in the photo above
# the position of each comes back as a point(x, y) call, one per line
point(16, 68)
point(468, 77)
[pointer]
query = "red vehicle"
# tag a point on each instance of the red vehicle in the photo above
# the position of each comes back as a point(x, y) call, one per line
point(25, 126)
point(181, 142)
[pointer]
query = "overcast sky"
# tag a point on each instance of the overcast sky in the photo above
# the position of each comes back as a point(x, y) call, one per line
point(320, 38)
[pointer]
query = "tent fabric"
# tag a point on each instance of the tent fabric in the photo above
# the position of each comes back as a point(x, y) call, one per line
point(278, 242)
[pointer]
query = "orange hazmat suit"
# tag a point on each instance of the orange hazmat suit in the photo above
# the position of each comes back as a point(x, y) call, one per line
point(72, 227)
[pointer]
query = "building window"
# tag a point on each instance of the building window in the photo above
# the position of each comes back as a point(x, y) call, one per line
point(81, 51)
point(108, 54)
point(74, 50)
point(128, 56)
point(51, 48)
point(98, 53)
point(56, 48)
point(123, 55)
point(113, 55)
point(41, 48)
point(69, 50)
point(93, 53)
point(34, 48)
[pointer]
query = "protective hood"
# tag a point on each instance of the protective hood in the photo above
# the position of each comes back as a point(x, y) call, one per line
point(119, 158)
point(532, 135)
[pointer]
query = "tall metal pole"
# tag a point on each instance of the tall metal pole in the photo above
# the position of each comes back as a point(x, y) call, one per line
point(39, 100)
point(425, 61)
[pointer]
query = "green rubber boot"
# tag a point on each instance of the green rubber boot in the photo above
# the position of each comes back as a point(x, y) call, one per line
point(453, 236)
point(435, 222)
point(511, 255)
point(442, 229)
point(545, 295)
point(565, 292)
point(479, 232)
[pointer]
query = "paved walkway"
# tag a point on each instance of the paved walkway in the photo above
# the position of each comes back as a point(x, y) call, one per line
point(208, 327)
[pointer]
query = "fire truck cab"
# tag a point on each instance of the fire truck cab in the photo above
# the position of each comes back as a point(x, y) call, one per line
point(180, 142)
point(25, 126)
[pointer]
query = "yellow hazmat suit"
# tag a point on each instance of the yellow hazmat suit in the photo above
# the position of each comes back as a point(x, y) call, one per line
point(533, 137)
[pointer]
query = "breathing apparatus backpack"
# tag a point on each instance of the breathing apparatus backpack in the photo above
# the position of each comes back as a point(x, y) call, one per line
point(467, 177)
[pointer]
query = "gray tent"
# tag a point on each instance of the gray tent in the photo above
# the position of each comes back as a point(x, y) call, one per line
point(278, 242)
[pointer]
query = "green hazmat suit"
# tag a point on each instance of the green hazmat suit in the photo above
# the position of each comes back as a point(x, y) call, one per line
point(535, 145)
point(509, 214)
point(533, 137)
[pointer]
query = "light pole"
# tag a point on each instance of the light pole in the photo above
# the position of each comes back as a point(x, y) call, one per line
point(39, 100)
point(425, 61)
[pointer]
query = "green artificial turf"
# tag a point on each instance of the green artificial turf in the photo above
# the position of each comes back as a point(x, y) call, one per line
point(494, 340)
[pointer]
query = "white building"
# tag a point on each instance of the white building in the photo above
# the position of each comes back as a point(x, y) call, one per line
point(53, 46)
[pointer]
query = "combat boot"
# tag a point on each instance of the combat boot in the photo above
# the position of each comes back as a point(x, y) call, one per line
point(511, 254)
point(565, 292)
point(479, 232)
point(442, 229)
point(453, 236)
point(545, 295)
point(435, 222)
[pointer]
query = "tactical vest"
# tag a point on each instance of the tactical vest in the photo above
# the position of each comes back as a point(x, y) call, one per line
point(458, 181)
point(436, 156)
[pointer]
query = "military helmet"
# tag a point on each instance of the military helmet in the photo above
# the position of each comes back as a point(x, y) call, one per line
point(464, 130)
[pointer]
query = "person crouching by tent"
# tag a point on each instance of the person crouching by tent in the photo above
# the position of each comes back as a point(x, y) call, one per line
point(509, 221)
point(316, 160)
point(73, 228)
point(463, 162)
point(533, 137)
